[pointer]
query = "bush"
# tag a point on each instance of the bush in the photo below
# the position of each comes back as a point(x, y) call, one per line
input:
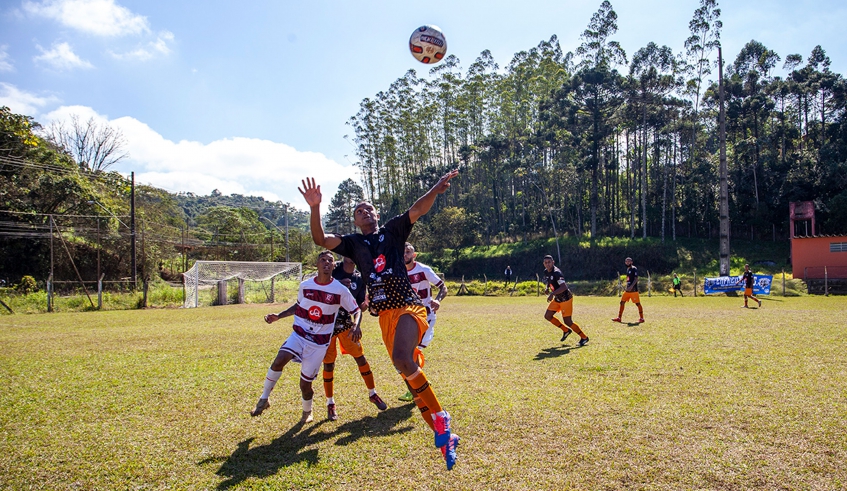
point(27, 285)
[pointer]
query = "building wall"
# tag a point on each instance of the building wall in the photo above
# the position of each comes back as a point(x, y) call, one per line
point(809, 256)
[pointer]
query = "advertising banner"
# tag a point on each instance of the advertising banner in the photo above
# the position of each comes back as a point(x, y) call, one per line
point(723, 284)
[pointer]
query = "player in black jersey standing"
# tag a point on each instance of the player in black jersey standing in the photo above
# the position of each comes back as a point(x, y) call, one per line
point(349, 335)
point(630, 293)
point(561, 300)
point(748, 280)
point(378, 253)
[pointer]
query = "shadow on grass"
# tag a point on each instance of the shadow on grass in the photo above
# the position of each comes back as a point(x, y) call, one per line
point(293, 446)
point(554, 352)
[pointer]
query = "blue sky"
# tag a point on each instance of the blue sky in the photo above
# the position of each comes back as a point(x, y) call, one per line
point(250, 97)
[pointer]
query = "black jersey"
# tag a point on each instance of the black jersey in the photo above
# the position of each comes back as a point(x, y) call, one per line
point(343, 321)
point(379, 256)
point(632, 279)
point(748, 279)
point(554, 279)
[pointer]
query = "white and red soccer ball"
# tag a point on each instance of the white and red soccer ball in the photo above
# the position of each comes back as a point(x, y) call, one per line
point(428, 44)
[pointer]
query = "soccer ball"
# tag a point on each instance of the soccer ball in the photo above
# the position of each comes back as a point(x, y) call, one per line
point(427, 44)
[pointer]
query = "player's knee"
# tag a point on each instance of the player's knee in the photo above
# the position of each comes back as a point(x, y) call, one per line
point(361, 360)
point(549, 315)
point(328, 367)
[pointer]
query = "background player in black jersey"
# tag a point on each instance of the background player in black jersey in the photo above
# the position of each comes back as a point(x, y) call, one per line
point(349, 335)
point(378, 253)
point(748, 280)
point(561, 300)
point(630, 291)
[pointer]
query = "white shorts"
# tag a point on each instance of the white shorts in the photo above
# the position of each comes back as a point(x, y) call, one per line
point(427, 337)
point(307, 353)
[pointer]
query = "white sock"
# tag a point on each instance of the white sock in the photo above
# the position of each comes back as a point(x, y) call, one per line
point(307, 406)
point(270, 381)
point(330, 400)
point(371, 392)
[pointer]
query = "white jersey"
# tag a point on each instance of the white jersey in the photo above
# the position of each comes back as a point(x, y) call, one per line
point(317, 307)
point(423, 279)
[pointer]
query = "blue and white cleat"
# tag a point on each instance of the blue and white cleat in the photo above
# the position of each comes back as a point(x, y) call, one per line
point(441, 421)
point(449, 451)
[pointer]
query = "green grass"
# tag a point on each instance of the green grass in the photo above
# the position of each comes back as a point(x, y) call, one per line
point(705, 395)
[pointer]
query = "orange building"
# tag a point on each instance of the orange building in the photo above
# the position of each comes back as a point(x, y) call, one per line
point(814, 257)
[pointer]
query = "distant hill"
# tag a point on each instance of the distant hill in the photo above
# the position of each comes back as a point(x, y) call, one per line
point(195, 205)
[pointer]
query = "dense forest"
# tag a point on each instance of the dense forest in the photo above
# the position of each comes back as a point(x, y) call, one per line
point(605, 143)
point(595, 143)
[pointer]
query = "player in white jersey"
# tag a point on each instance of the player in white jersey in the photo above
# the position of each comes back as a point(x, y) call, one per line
point(423, 280)
point(318, 302)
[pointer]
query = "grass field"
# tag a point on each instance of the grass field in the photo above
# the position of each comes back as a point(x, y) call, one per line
point(704, 395)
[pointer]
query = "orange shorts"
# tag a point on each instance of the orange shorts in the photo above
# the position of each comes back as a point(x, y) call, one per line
point(348, 347)
point(388, 323)
point(748, 292)
point(566, 307)
point(631, 297)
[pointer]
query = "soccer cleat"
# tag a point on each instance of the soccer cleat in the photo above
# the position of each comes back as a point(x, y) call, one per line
point(441, 422)
point(260, 407)
point(616, 319)
point(449, 451)
point(378, 402)
point(307, 417)
point(407, 397)
point(583, 341)
point(330, 412)
point(565, 335)
point(760, 302)
point(641, 320)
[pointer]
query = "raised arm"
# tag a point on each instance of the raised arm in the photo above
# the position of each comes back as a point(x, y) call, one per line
point(424, 203)
point(312, 194)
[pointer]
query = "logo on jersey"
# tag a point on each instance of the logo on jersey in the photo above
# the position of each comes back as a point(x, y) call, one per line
point(379, 263)
point(315, 313)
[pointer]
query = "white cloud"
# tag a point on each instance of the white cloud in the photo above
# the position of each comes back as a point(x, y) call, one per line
point(153, 48)
point(248, 166)
point(61, 57)
point(98, 17)
point(21, 102)
point(5, 61)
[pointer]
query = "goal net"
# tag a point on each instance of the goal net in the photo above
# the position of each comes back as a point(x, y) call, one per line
point(224, 282)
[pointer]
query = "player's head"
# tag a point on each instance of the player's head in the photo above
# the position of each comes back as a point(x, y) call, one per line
point(365, 214)
point(628, 261)
point(325, 262)
point(746, 267)
point(409, 254)
point(549, 262)
point(347, 261)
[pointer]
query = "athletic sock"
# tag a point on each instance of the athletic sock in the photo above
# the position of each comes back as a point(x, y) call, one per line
point(270, 381)
point(558, 324)
point(330, 400)
point(423, 391)
point(328, 389)
point(367, 375)
point(307, 405)
point(575, 328)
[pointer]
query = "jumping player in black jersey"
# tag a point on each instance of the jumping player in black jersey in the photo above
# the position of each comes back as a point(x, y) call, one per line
point(378, 253)
point(560, 300)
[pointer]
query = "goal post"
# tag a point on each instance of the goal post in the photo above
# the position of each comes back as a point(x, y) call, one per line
point(258, 282)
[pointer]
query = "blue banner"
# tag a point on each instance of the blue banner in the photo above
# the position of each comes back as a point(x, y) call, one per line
point(723, 284)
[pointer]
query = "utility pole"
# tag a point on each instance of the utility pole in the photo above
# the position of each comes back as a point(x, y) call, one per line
point(724, 205)
point(286, 233)
point(132, 229)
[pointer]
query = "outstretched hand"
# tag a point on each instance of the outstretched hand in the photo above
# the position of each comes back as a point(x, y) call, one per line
point(444, 182)
point(311, 192)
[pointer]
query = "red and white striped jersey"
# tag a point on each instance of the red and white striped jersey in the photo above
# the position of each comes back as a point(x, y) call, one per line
point(317, 305)
point(423, 278)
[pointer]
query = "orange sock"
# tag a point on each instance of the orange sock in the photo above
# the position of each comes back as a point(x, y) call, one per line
point(558, 324)
point(368, 375)
point(423, 391)
point(328, 384)
point(575, 328)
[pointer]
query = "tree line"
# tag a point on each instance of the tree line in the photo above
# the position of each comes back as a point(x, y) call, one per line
point(599, 143)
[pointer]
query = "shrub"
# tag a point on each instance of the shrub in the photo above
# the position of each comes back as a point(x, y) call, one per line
point(27, 285)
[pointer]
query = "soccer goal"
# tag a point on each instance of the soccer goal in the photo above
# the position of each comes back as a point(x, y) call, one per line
point(224, 282)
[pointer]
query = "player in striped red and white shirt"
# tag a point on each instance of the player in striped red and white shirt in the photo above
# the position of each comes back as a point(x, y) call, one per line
point(318, 302)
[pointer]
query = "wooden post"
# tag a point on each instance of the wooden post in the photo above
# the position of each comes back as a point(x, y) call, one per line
point(240, 290)
point(50, 287)
point(221, 292)
point(273, 290)
point(825, 282)
point(695, 282)
point(485, 286)
point(783, 282)
point(537, 286)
